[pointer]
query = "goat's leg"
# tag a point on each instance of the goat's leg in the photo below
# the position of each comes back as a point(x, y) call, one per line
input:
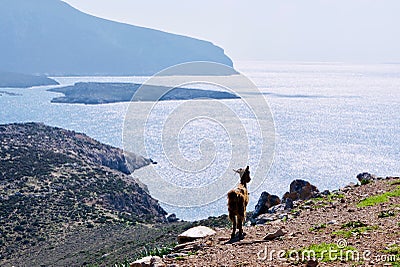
point(233, 220)
point(240, 226)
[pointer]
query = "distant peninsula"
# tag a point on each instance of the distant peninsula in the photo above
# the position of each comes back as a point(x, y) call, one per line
point(18, 80)
point(51, 37)
point(102, 93)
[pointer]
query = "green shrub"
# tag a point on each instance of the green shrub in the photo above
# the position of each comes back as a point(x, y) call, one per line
point(365, 181)
point(386, 213)
point(354, 224)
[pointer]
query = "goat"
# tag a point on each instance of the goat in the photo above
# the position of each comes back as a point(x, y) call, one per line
point(237, 202)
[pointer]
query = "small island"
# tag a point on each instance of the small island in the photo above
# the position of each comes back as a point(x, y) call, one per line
point(102, 93)
point(18, 80)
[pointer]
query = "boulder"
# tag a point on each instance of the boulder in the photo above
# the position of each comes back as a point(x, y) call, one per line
point(365, 176)
point(300, 189)
point(195, 233)
point(149, 261)
point(265, 202)
point(276, 234)
point(172, 218)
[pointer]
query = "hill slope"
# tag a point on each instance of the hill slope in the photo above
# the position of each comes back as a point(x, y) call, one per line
point(18, 80)
point(53, 181)
point(50, 37)
point(356, 226)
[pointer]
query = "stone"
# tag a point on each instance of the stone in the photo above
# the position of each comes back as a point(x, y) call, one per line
point(277, 208)
point(265, 202)
point(289, 204)
point(264, 218)
point(149, 261)
point(172, 218)
point(312, 263)
point(283, 216)
point(276, 234)
point(305, 189)
point(300, 189)
point(195, 233)
point(326, 192)
point(365, 176)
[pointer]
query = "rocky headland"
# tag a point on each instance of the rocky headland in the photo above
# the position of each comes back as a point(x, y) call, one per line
point(18, 80)
point(55, 181)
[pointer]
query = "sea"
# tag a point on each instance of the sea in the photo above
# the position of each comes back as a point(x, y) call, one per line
point(331, 121)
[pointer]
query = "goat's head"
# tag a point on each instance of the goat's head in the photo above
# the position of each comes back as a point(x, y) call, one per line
point(244, 175)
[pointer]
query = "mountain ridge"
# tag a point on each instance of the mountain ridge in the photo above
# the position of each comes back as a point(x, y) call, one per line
point(53, 38)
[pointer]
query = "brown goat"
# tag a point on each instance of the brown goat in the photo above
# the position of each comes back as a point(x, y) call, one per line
point(237, 202)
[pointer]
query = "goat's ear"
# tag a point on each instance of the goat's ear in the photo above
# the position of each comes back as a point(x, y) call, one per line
point(235, 170)
point(247, 168)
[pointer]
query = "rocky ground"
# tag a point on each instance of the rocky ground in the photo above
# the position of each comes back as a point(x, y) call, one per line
point(364, 220)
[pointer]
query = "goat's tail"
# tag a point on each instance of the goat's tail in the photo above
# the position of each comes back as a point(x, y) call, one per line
point(233, 201)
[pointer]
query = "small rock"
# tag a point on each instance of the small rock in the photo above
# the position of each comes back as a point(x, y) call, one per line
point(264, 218)
point(365, 176)
point(277, 208)
point(195, 233)
point(312, 263)
point(282, 216)
point(272, 236)
point(332, 222)
point(150, 261)
point(326, 193)
point(172, 218)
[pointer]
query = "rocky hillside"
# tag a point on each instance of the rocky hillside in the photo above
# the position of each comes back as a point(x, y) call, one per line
point(53, 180)
point(51, 37)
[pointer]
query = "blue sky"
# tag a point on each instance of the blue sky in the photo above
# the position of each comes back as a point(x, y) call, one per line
point(281, 30)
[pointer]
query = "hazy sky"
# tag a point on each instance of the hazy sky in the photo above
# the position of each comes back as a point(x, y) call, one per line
point(279, 30)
